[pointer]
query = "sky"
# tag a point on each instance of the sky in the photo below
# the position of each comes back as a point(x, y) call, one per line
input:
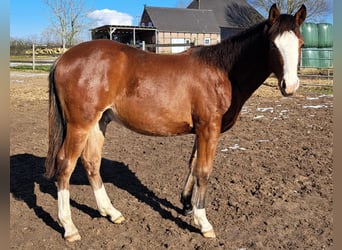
point(29, 19)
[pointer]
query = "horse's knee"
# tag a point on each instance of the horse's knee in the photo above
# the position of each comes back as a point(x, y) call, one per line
point(91, 155)
point(63, 173)
point(91, 165)
point(203, 173)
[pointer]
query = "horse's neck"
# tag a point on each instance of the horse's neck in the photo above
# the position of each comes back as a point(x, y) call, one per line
point(247, 71)
point(242, 57)
point(249, 68)
point(243, 86)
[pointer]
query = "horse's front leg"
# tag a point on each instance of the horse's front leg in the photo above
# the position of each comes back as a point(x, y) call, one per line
point(186, 195)
point(207, 139)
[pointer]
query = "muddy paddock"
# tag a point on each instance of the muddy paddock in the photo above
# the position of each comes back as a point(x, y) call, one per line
point(271, 187)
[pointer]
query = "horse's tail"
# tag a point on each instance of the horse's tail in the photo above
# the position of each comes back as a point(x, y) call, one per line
point(57, 126)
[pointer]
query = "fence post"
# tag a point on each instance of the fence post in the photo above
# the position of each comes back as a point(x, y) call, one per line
point(33, 57)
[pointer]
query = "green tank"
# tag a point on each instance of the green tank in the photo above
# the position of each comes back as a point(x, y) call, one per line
point(310, 58)
point(309, 32)
point(326, 57)
point(325, 35)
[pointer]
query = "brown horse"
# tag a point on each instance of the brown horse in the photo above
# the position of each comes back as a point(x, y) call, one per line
point(200, 91)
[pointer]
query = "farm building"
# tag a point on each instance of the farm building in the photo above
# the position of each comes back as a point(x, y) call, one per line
point(125, 34)
point(172, 30)
point(181, 26)
point(231, 16)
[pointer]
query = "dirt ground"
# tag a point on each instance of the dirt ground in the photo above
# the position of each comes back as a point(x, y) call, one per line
point(271, 187)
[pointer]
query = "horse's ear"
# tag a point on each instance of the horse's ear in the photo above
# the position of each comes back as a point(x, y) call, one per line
point(301, 15)
point(273, 14)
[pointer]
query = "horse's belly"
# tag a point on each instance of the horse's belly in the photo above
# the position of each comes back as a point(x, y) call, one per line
point(154, 121)
point(156, 129)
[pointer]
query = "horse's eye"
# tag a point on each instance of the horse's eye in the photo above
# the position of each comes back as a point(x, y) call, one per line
point(273, 45)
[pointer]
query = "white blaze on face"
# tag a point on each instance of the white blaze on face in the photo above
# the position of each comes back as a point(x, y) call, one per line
point(288, 43)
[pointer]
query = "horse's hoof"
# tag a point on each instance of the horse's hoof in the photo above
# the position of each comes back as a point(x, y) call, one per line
point(209, 234)
point(73, 237)
point(119, 220)
point(187, 211)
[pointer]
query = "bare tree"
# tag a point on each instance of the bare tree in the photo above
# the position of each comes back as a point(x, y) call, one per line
point(68, 19)
point(242, 15)
point(317, 9)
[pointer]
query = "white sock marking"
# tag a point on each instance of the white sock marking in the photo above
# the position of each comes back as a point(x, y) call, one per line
point(64, 212)
point(201, 220)
point(104, 204)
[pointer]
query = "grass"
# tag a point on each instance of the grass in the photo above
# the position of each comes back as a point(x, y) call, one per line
point(28, 59)
point(315, 85)
point(28, 68)
point(38, 58)
point(326, 90)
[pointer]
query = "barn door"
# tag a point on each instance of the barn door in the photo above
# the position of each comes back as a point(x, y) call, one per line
point(177, 49)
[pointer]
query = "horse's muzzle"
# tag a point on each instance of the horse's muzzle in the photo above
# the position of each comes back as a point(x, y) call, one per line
point(288, 89)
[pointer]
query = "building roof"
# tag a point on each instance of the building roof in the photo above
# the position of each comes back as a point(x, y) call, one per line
point(182, 20)
point(230, 13)
point(123, 27)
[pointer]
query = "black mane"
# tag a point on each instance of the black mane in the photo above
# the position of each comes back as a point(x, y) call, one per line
point(225, 54)
point(252, 42)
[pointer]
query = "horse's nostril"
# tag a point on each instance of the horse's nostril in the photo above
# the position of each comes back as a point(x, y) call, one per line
point(283, 88)
point(283, 84)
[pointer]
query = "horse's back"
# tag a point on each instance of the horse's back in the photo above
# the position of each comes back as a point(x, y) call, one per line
point(149, 93)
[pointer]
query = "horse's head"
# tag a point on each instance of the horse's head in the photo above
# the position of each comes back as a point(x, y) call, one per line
point(285, 45)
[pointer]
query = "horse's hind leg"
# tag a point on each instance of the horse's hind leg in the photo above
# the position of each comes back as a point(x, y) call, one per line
point(66, 161)
point(91, 159)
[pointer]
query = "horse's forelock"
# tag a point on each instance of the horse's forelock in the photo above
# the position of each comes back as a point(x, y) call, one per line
point(283, 24)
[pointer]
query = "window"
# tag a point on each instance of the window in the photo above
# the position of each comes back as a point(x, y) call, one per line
point(207, 41)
